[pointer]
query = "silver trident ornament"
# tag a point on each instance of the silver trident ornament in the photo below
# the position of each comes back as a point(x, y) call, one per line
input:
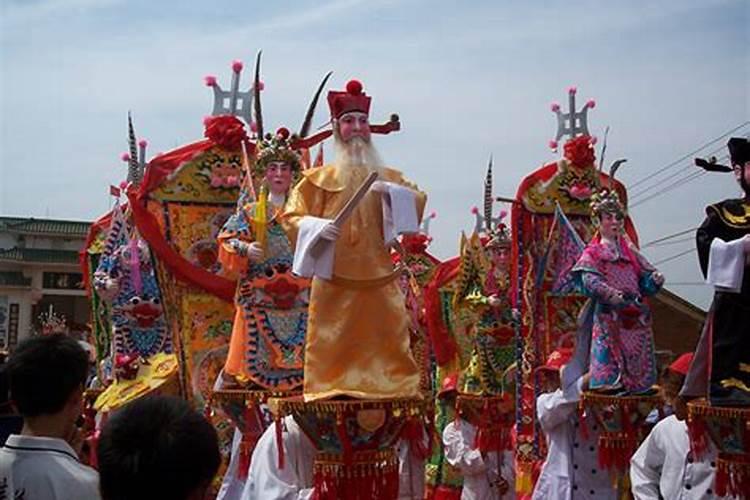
point(573, 123)
point(232, 101)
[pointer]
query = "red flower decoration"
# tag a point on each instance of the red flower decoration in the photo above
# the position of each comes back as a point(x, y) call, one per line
point(415, 243)
point(225, 131)
point(579, 151)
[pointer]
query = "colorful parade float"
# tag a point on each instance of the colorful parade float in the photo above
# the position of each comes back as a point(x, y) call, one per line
point(718, 383)
point(266, 351)
point(472, 329)
point(558, 284)
point(361, 391)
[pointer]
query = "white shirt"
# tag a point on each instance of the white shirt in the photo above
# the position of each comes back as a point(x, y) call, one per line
point(266, 481)
point(43, 468)
point(664, 467)
point(571, 469)
point(232, 485)
point(411, 470)
point(479, 472)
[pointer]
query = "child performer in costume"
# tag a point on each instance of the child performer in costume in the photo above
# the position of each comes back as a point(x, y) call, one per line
point(617, 322)
point(571, 469)
point(266, 350)
point(664, 466)
point(724, 250)
point(486, 475)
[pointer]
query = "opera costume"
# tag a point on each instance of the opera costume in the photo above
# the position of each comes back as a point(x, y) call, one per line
point(722, 365)
point(357, 336)
point(268, 334)
point(616, 323)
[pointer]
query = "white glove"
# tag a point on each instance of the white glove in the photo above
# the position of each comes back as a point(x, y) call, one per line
point(255, 251)
point(330, 232)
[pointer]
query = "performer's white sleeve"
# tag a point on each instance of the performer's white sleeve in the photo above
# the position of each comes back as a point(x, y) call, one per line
point(232, 486)
point(554, 408)
point(645, 468)
point(266, 480)
point(726, 265)
point(459, 452)
point(305, 263)
point(399, 212)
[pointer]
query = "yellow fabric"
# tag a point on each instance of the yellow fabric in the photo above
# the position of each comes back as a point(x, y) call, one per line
point(357, 336)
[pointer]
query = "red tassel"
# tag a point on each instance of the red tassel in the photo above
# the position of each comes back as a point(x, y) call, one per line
point(279, 442)
point(698, 434)
point(732, 475)
point(582, 422)
point(346, 444)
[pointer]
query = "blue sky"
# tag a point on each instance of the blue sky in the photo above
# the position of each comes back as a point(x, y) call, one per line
point(467, 78)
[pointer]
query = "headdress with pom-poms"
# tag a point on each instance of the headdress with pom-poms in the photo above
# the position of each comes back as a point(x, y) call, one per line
point(606, 200)
point(275, 147)
point(499, 237)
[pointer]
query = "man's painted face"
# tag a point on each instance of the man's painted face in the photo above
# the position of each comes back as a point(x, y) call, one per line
point(501, 256)
point(279, 176)
point(743, 176)
point(611, 224)
point(354, 124)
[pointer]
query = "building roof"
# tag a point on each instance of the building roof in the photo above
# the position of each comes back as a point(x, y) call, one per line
point(14, 278)
point(40, 255)
point(47, 227)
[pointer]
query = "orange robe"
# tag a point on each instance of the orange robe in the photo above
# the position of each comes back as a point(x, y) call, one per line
point(357, 334)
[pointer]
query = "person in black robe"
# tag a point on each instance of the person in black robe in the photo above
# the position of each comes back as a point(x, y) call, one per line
point(721, 367)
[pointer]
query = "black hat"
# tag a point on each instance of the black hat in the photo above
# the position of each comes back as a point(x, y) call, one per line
point(739, 150)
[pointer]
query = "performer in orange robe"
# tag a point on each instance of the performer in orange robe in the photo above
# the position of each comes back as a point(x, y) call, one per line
point(357, 335)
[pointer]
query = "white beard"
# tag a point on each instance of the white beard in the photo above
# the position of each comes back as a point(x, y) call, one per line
point(356, 153)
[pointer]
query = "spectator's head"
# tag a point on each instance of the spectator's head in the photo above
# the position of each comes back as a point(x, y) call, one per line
point(157, 447)
point(46, 376)
point(550, 373)
point(672, 380)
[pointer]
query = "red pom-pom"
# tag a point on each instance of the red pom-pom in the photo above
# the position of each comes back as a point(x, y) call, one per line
point(555, 107)
point(433, 214)
point(261, 85)
point(552, 145)
point(593, 140)
point(237, 65)
point(572, 90)
point(283, 132)
point(123, 185)
point(209, 80)
point(142, 143)
point(125, 157)
point(503, 213)
point(591, 103)
point(354, 87)
point(474, 210)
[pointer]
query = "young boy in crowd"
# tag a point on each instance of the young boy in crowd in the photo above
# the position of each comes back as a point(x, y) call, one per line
point(46, 376)
point(157, 448)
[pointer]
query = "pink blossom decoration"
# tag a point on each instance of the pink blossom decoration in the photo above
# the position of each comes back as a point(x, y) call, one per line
point(572, 90)
point(475, 210)
point(555, 107)
point(142, 143)
point(591, 104)
point(125, 157)
point(552, 145)
point(237, 65)
point(209, 80)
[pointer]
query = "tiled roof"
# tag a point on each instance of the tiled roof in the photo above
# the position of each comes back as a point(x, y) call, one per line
point(39, 255)
point(30, 225)
point(14, 278)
